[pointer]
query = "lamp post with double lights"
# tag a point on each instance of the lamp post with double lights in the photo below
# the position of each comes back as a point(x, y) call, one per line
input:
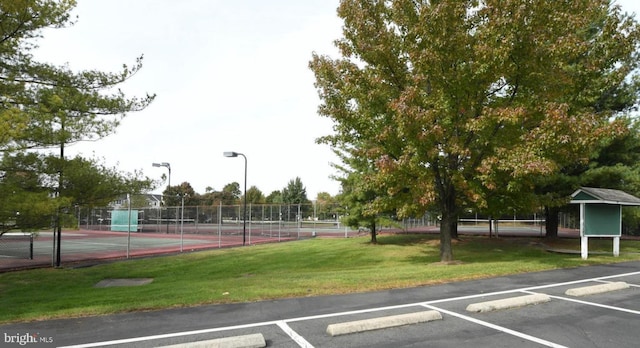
point(244, 218)
point(168, 166)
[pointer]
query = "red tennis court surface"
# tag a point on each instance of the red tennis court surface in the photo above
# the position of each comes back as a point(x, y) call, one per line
point(86, 245)
point(89, 246)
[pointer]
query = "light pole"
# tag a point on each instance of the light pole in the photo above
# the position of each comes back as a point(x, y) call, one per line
point(168, 166)
point(244, 218)
point(182, 195)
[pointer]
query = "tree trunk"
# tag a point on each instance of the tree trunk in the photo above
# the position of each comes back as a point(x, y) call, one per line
point(552, 220)
point(374, 238)
point(449, 227)
point(454, 231)
point(58, 231)
point(446, 232)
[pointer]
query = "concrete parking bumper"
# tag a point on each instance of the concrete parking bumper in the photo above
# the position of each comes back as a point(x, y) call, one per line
point(508, 303)
point(382, 322)
point(246, 341)
point(597, 289)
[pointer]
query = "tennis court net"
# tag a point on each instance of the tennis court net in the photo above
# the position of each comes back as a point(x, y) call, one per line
point(16, 245)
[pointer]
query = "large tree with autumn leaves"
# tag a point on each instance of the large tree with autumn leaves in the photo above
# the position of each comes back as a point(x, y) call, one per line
point(458, 103)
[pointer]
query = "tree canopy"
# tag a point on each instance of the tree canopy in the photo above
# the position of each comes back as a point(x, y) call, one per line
point(295, 192)
point(455, 101)
point(44, 106)
point(254, 195)
point(49, 105)
point(27, 183)
point(174, 195)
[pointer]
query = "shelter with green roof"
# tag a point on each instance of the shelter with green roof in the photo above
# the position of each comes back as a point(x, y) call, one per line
point(601, 215)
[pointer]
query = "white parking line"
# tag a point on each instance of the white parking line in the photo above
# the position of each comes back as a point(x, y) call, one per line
point(427, 304)
point(497, 327)
point(294, 335)
point(531, 288)
point(608, 281)
point(619, 309)
point(170, 335)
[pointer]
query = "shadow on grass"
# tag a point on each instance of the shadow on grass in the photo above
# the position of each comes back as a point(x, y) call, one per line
point(482, 249)
point(407, 239)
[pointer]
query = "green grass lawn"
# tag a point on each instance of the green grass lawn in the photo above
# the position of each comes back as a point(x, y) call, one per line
point(293, 269)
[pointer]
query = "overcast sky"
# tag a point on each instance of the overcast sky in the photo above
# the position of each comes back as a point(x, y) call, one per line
point(229, 76)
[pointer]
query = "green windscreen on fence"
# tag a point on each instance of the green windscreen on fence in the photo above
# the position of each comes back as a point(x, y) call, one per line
point(120, 220)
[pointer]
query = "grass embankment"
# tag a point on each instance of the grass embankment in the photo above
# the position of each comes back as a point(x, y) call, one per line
point(293, 269)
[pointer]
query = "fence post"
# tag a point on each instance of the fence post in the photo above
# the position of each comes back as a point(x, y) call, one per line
point(299, 218)
point(315, 217)
point(175, 221)
point(271, 221)
point(182, 224)
point(279, 220)
point(220, 225)
point(128, 224)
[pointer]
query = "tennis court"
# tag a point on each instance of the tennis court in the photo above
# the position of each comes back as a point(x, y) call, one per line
point(86, 245)
point(92, 245)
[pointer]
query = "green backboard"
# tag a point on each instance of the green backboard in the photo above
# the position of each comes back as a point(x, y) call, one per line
point(602, 220)
point(120, 220)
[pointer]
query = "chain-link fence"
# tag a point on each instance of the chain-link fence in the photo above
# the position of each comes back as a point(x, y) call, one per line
point(230, 219)
point(98, 232)
point(222, 219)
point(265, 219)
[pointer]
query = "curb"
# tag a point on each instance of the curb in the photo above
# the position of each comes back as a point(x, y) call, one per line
point(382, 322)
point(596, 289)
point(246, 341)
point(508, 303)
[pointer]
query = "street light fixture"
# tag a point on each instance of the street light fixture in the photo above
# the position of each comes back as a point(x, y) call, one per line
point(168, 166)
point(244, 218)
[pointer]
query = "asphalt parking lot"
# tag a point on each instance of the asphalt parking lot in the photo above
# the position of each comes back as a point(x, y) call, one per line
point(609, 319)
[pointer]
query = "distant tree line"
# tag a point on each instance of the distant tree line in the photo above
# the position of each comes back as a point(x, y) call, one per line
point(293, 193)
